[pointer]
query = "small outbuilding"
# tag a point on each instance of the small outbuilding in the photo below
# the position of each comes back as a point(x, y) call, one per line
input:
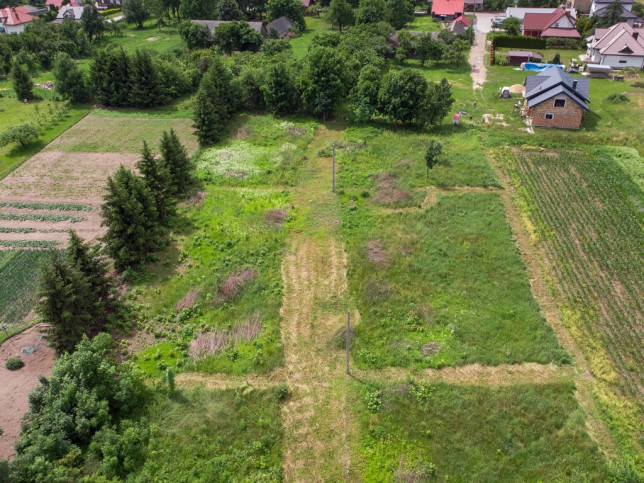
point(282, 26)
point(518, 57)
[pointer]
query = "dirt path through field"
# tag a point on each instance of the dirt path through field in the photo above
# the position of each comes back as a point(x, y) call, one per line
point(316, 420)
point(478, 70)
point(534, 262)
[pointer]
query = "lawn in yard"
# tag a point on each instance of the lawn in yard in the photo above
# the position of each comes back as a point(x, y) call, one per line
point(413, 431)
point(149, 37)
point(425, 23)
point(314, 25)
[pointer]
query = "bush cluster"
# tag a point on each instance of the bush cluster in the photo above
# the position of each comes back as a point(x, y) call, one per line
point(13, 364)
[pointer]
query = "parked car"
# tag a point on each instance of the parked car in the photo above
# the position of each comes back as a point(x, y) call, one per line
point(497, 22)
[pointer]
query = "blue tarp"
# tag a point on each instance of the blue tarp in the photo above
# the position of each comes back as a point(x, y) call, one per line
point(539, 67)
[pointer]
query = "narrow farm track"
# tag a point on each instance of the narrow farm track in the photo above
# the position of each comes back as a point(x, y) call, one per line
point(535, 263)
point(314, 273)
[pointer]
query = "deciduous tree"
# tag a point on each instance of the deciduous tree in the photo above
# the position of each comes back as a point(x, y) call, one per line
point(22, 134)
point(340, 13)
point(92, 21)
point(371, 11)
point(324, 80)
point(197, 36)
point(280, 90)
point(136, 12)
point(366, 93)
point(432, 155)
point(399, 13)
point(428, 49)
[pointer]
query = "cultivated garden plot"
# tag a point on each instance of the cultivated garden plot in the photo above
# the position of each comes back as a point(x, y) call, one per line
point(62, 187)
point(588, 214)
point(214, 297)
point(414, 431)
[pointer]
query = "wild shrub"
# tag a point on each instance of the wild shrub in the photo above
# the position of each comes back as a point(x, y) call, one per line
point(13, 364)
point(616, 98)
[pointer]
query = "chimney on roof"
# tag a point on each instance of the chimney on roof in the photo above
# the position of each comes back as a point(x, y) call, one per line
point(636, 35)
point(574, 84)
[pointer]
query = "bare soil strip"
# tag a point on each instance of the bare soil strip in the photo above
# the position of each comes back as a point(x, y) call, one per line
point(534, 260)
point(15, 386)
point(432, 193)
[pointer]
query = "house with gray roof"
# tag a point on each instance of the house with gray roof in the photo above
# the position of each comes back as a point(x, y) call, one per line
point(68, 11)
point(282, 25)
point(213, 24)
point(555, 99)
point(619, 46)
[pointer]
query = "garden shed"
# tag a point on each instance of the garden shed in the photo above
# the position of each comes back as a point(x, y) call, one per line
point(518, 57)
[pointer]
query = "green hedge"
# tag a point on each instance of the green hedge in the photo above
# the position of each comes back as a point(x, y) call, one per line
point(110, 11)
point(519, 41)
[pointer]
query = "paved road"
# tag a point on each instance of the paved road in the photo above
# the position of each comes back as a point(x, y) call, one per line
point(477, 53)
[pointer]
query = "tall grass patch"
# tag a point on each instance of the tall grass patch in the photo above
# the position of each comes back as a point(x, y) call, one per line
point(442, 286)
point(222, 280)
point(204, 435)
point(261, 150)
point(420, 432)
point(370, 152)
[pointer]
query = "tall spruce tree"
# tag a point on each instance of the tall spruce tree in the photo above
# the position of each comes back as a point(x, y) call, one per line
point(131, 218)
point(144, 79)
point(21, 81)
point(157, 178)
point(176, 162)
point(93, 267)
point(67, 303)
point(119, 71)
point(210, 113)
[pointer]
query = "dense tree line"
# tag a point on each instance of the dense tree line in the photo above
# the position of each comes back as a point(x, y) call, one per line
point(140, 79)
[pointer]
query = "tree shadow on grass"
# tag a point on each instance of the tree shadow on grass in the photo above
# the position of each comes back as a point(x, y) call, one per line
point(591, 120)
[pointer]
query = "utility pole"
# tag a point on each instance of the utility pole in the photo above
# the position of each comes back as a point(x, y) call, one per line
point(348, 338)
point(333, 174)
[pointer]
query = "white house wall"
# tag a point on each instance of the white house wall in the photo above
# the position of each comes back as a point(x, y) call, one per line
point(630, 61)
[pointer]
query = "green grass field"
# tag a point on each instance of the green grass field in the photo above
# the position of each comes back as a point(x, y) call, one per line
point(149, 37)
point(204, 435)
point(421, 432)
point(111, 134)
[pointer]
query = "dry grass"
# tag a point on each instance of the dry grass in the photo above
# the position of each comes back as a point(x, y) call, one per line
point(188, 301)
point(375, 252)
point(275, 218)
point(388, 191)
point(209, 343)
point(235, 283)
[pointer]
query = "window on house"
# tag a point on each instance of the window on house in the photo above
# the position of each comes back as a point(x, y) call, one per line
point(560, 102)
point(622, 61)
point(550, 116)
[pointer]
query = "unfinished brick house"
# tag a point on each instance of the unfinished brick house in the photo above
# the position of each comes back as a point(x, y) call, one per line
point(554, 99)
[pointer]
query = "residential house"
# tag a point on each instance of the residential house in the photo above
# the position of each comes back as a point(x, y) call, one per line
point(59, 3)
point(460, 25)
point(618, 46)
point(520, 12)
point(518, 57)
point(446, 10)
point(282, 26)
point(602, 4)
point(558, 24)
point(554, 99)
point(213, 24)
point(69, 11)
point(14, 19)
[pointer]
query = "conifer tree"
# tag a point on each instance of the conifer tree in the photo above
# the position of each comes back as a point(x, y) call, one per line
point(145, 90)
point(157, 179)
point(176, 162)
point(22, 83)
point(119, 71)
point(210, 114)
point(130, 214)
point(67, 303)
point(93, 267)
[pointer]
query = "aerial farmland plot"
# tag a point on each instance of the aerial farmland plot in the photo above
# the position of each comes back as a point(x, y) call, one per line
point(62, 186)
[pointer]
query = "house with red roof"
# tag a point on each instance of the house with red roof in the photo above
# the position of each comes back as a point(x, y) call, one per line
point(559, 24)
point(460, 25)
point(447, 9)
point(14, 19)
